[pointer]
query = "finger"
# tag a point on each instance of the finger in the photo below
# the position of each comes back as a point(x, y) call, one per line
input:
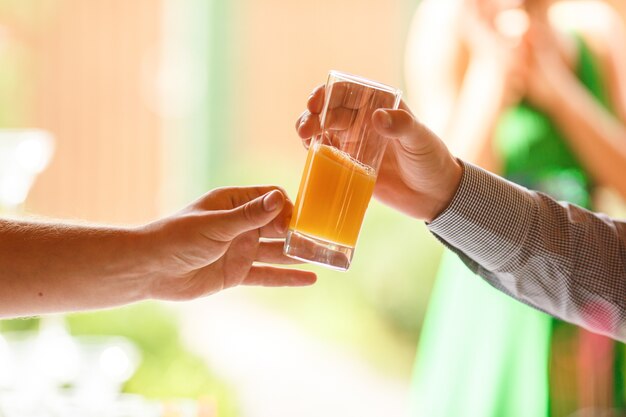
point(401, 125)
point(355, 97)
point(342, 94)
point(405, 107)
point(309, 126)
point(269, 276)
point(277, 228)
point(315, 103)
point(360, 106)
point(301, 118)
point(340, 118)
point(227, 198)
point(271, 252)
point(345, 102)
point(255, 214)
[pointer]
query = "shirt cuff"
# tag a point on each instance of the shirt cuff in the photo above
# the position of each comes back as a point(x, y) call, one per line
point(488, 219)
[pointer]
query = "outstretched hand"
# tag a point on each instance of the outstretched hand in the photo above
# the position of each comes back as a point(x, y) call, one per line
point(216, 243)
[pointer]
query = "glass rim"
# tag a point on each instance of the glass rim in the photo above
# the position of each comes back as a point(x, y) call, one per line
point(366, 82)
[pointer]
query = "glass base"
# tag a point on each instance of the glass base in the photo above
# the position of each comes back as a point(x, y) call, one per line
point(318, 251)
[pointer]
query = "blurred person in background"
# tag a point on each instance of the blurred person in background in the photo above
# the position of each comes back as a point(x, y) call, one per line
point(213, 244)
point(620, 7)
point(535, 91)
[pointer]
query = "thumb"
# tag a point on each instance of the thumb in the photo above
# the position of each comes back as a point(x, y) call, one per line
point(402, 126)
point(252, 215)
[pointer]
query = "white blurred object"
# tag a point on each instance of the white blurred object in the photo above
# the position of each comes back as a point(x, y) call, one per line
point(115, 363)
point(108, 362)
point(55, 374)
point(24, 153)
point(6, 364)
point(512, 24)
point(54, 354)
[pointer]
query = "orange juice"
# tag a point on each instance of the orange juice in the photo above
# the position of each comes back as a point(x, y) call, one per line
point(333, 196)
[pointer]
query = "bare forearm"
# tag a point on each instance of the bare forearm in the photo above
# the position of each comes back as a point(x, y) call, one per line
point(479, 104)
point(598, 138)
point(54, 267)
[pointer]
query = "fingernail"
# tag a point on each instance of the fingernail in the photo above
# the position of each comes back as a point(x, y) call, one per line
point(304, 119)
point(385, 119)
point(272, 200)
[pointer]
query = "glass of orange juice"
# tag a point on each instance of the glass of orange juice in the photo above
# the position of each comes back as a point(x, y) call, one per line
point(340, 172)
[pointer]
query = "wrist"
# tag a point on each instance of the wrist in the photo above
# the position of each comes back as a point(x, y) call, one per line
point(141, 260)
point(443, 195)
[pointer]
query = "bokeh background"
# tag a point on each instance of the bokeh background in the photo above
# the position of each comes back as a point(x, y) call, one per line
point(153, 102)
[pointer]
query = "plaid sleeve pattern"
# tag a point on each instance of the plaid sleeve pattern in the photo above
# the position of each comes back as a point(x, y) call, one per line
point(556, 257)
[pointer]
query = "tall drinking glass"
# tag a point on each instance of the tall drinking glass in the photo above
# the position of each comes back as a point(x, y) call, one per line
point(340, 172)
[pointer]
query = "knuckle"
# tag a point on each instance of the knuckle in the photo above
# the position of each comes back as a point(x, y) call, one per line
point(216, 193)
point(248, 211)
point(302, 119)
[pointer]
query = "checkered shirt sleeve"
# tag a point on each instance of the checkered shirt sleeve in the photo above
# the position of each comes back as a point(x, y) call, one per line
point(556, 257)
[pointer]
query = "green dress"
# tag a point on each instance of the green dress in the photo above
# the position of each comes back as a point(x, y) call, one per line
point(482, 354)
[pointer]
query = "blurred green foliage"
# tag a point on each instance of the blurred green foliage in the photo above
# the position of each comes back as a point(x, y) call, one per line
point(17, 78)
point(167, 369)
